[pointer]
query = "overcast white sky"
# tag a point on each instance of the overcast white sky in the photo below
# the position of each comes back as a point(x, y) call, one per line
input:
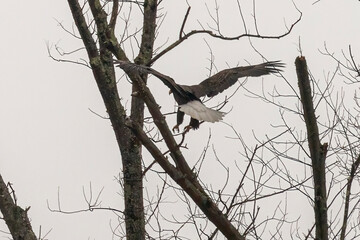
point(49, 139)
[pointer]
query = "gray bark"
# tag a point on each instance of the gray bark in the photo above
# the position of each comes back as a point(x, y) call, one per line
point(317, 150)
point(15, 217)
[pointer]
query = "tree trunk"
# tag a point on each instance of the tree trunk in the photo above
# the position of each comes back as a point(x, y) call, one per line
point(317, 150)
point(103, 69)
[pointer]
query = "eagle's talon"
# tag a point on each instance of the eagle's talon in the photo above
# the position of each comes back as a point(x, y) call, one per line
point(175, 128)
point(187, 128)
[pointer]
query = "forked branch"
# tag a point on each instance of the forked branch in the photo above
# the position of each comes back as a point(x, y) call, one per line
point(199, 196)
point(183, 37)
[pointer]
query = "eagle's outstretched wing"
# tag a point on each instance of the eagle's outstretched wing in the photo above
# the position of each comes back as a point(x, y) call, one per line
point(228, 77)
point(168, 81)
point(188, 96)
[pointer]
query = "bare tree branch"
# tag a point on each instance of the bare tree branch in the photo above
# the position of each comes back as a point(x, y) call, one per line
point(317, 150)
point(15, 217)
point(219, 36)
point(354, 170)
point(187, 184)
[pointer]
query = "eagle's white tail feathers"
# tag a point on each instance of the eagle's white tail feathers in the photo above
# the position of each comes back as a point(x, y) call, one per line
point(200, 112)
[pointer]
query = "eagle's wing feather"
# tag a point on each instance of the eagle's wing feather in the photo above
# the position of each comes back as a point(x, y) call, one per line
point(228, 77)
point(168, 81)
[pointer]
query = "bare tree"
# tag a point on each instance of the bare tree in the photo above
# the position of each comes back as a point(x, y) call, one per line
point(313, 159)
point(97, 27)
point(328, 149)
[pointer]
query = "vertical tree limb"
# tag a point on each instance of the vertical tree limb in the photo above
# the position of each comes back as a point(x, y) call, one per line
point(15, 217)
point(103, 70)
point(137, 104)
point(317, 150)
point(354, 168)
point(148, 33)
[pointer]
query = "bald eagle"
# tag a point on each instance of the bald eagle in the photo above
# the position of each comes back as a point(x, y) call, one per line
point(188, 97)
